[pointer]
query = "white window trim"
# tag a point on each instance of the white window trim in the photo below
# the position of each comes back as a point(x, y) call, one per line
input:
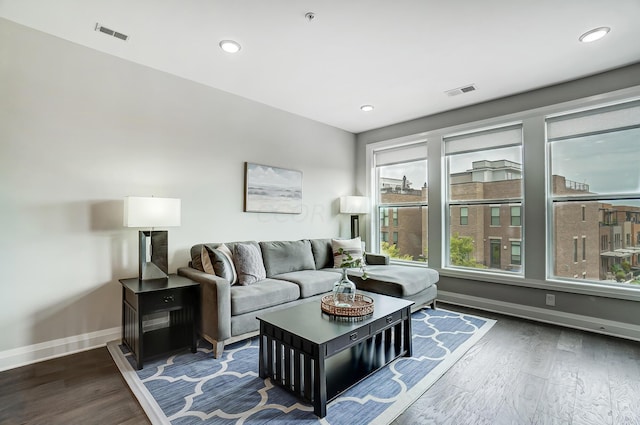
point(435, 136)
point(370, 174)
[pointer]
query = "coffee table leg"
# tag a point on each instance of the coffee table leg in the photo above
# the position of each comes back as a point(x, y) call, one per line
point(408, 342)
point(261, 361)
point(319, 387)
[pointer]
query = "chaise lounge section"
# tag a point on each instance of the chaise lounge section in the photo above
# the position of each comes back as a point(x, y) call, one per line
point(239, 280)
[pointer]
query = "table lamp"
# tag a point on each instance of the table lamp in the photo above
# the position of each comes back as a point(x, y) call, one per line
point(152, 212)
point(354, 205)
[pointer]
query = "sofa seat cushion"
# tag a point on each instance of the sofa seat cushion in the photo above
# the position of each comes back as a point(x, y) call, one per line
point(311, 282)
point(262, 294)
point(395, 280)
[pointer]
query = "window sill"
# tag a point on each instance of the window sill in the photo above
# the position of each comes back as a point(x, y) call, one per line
point(593, 289)
point(409, 263)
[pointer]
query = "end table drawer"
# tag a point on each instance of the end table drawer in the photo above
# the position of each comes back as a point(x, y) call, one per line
point(166, 300)
point(347, 340)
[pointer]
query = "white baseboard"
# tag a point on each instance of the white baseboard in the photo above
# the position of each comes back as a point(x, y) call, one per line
point(29, 354)
point(561, 318)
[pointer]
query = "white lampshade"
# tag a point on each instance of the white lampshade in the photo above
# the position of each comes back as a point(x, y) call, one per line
point(354, 205)
point(151, 212)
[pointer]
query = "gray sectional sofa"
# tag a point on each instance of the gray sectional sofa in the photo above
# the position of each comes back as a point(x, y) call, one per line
point(293, 272)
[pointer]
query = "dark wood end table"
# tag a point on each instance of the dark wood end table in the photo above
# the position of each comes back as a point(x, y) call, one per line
point(316, 357)
point(148, 336)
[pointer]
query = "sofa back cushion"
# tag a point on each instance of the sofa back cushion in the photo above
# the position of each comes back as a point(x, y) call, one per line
point(286, 256)
point(322, 253)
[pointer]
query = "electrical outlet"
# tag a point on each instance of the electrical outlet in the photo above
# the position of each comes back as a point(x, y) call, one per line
point(551, 300)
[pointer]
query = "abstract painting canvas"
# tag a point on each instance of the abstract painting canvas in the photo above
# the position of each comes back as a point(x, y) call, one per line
point(272, 189)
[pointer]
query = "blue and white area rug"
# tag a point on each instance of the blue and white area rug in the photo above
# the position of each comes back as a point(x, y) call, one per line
point(189, 388)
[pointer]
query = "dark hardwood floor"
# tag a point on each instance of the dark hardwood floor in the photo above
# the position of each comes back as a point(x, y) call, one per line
point(525, 372)
point(521, 372)
point(82, 388)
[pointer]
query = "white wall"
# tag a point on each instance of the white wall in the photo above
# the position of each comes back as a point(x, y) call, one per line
point(79, 130)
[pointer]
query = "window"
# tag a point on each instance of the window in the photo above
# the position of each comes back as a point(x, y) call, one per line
point(515, 216)
point(495, 216)
point(484, 181)
point(495, 253)
point(464, 216)
point(575, 250)
point(401, 197)
point(384, 217)
point(593, 173)
point(516, 259)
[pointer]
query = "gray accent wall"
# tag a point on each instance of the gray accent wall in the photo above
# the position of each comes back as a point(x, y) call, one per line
point(80, 130)
point(579, 306)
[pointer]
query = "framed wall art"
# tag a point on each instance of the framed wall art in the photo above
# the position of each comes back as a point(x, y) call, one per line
point(272, 189)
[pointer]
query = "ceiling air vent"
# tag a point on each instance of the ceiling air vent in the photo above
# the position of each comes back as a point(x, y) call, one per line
point(460, 90)
point(111, 32)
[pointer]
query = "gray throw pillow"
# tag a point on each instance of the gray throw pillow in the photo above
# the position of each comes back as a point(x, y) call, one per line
point(248, 261)
point(222, 264)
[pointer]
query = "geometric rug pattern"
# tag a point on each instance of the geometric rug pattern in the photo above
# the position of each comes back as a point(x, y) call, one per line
point(194, 388)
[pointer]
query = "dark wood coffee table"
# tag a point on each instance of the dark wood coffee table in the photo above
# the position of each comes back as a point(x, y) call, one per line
point(316, 357)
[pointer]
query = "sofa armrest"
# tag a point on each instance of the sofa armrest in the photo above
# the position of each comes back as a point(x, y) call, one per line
point(376, 259)
point(215, 303)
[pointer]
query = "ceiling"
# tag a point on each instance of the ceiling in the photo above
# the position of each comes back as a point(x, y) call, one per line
point(400, 56)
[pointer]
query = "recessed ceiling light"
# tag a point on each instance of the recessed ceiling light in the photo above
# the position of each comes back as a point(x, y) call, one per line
point(367, 108)
point(594, 34)
point(230, 46)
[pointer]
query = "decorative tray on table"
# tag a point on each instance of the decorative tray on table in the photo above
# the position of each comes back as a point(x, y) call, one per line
point(361, 308)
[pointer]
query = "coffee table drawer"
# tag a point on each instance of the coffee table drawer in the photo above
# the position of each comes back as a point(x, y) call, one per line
point(347, 340)
point(389, 320)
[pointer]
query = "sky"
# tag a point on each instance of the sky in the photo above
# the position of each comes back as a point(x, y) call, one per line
point(416, 172)
point(609, 163)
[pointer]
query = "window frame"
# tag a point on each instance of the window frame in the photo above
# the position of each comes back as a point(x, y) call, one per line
point(535, 153)
point(519, 245)
point(492, 204)
point(519, 216)
point(607, 217)
point(393, 209)
point(465, 216)
point(496, 222)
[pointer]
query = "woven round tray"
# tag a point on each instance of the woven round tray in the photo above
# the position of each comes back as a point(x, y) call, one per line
point(362, 306)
